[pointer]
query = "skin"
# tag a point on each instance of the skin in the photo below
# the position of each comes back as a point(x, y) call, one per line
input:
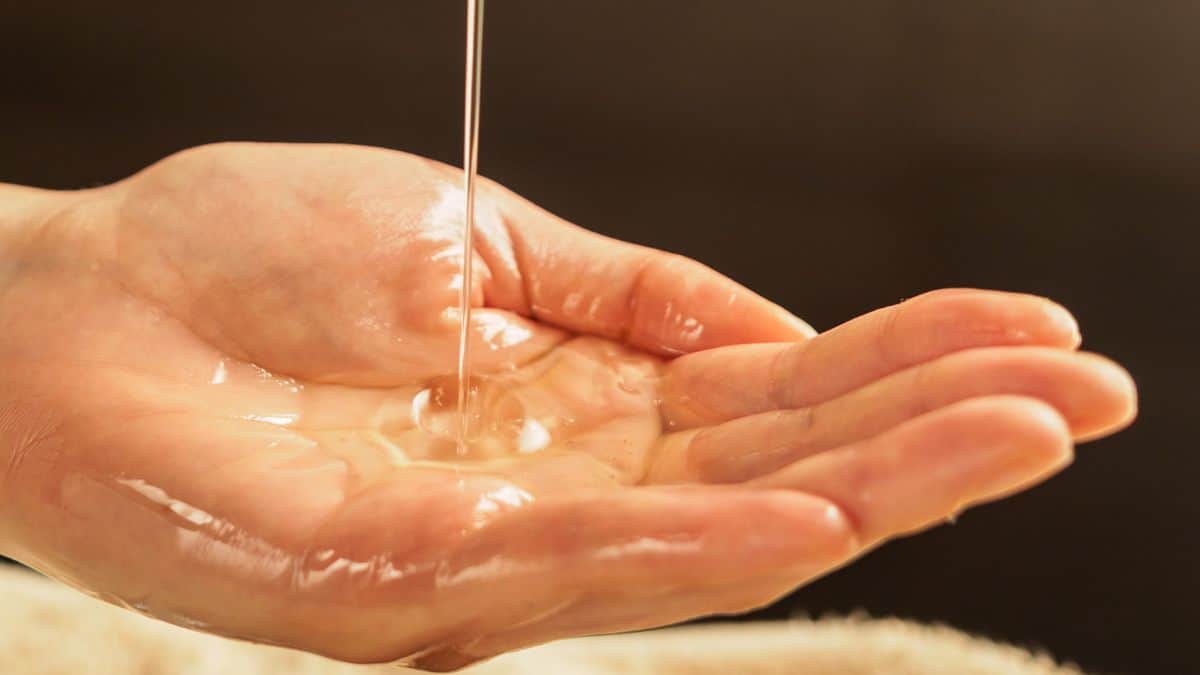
point(206, 382)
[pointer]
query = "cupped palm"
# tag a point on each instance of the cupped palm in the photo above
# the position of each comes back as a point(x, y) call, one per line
point(228, 394)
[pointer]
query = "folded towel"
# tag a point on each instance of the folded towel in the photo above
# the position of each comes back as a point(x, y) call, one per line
point(48, 629)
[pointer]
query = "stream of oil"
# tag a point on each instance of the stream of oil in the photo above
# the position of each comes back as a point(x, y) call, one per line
point(472, 89)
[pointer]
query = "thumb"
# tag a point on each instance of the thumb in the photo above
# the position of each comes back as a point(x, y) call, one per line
point(584, 282)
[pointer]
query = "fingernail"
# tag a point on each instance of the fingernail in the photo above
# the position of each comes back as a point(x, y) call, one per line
point(801, 326)
point(1064, 321)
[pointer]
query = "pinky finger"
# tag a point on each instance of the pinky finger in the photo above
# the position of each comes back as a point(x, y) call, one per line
point(631, 559)
point(611, 614)
point(759, 547)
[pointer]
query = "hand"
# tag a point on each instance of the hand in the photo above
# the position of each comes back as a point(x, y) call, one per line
point(226, 397)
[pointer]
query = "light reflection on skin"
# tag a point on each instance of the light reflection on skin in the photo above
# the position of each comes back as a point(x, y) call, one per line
point(225, 545)
point(532, 410)
point(284, 420)
point(393, 427)
point(498, 333)
point(534, 437)
point(182, 480)
point(521, 408)
point(501, 499)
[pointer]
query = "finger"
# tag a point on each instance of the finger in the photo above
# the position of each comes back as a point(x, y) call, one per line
point(1035, 444)
point(581, 281)
point(733, 382)
point(617, 540)
point(1094, 395)
point(616, 614)
point(561, 559)
point(930, 468)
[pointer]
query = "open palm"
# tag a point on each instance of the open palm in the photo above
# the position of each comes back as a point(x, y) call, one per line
point(227, 401)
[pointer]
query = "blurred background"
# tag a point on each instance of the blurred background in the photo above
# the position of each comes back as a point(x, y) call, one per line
point(835, 157)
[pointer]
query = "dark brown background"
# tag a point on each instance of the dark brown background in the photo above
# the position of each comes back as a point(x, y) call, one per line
point(834, 156)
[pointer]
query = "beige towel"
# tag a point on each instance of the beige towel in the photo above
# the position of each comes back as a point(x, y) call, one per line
point(48, 629)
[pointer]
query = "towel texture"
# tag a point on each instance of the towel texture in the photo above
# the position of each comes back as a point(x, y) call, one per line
point(48, 629)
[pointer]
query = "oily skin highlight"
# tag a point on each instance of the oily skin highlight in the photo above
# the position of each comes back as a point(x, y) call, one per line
point(209, 412)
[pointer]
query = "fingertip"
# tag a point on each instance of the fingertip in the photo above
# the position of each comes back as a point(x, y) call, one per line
point(976, 451)
point(1029, 440)
point(1061, 324)
point(1116, 399)
point(976, 318)
point(751, 531)
point(1046, 424)
point(991, 448)
point(799, 328)
point(814, 530)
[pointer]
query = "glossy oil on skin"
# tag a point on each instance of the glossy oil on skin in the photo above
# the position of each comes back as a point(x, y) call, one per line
point(474, 68)
point(345, 472)
point(224, 439)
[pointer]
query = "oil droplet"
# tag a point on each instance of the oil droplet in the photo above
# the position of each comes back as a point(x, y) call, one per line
point(497, 423)
point(279, 420)
point(533, 437)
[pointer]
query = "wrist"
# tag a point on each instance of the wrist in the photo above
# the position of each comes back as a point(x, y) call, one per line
point(24, 211)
